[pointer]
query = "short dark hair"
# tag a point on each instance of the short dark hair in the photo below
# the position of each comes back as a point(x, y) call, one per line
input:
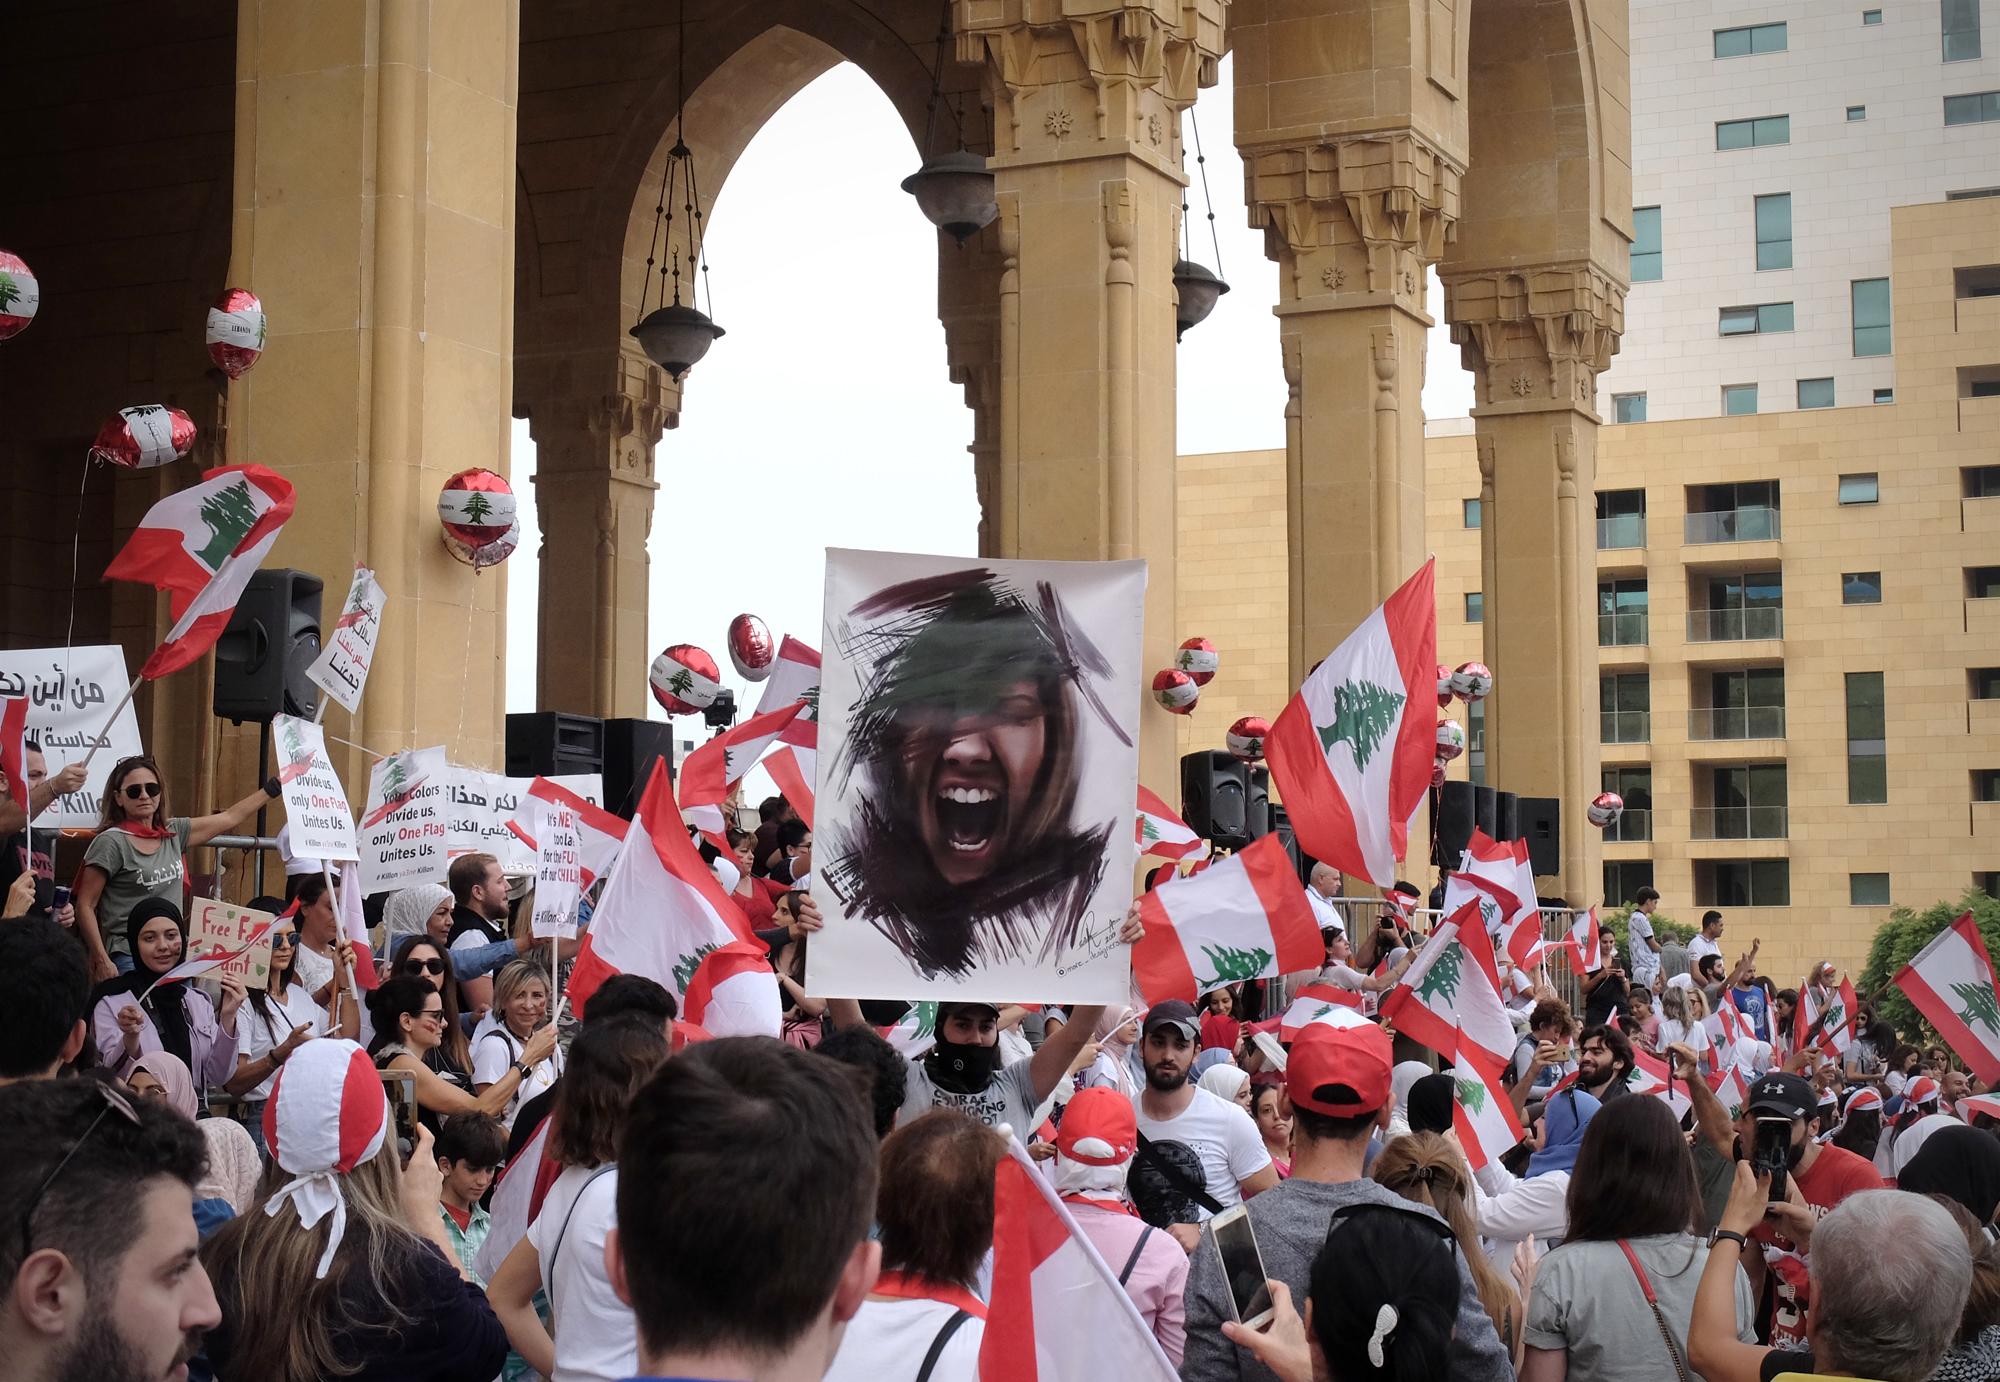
point(1704, 963)
point(467, 872)
point(625, 995)
point(935, 1200)
point(1323, 1127)
point(1634, 1177)
point(793, 833)
point(476, 1139)
point(1710, 915)
point(775, 1143)
point(311, 888)
point(47, 1120)
point(886, 1068)
point(1614, 1041)
point(1645, 895)
point(770, 808)
point(44, 993)
point(608, 1062)
point(1550, 1012)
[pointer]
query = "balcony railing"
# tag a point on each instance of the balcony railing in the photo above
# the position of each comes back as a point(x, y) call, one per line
point(1621, 530)
point(1738, 823)
point(1633, 825)
point(1737, 722)
point(1626, 629)
point(1758, 524)
point(1625, 726)
point(1735, 625)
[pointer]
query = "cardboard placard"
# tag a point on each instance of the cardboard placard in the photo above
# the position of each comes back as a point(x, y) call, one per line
point(244, 935)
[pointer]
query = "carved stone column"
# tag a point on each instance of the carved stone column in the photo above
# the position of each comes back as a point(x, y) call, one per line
point(594, 491)
point(969, 306)
point(1086, 97)
point(1536, 340)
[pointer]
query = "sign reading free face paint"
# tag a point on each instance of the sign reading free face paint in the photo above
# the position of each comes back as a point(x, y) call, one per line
point(66, 691)
point(978, 760)
point(402, 833)
point(244, 935)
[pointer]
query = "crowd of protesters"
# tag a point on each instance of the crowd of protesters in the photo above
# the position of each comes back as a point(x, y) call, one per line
point(286, 1183)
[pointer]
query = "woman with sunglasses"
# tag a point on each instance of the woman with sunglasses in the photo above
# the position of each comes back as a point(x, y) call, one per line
point(410, 1025)
point(135, 1013)
point(137, 854)
point(420, 957)
point(282, 1017)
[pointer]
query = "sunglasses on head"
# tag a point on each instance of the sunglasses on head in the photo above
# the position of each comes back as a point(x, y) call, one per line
point(136, 790)
point(431, 966)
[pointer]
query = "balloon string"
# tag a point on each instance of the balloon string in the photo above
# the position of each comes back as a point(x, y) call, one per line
point(76, 560)
point(464, 664)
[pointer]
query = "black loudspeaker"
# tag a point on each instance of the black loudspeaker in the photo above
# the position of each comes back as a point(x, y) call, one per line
point(262, 656)
point(1506, 816)
point(548, 743)
point(1541, 827)
point(1215, 797)
point(1281, 826)
point(630, 746)
point(1461, 807)
point(1486, 811)
point(1257, 816)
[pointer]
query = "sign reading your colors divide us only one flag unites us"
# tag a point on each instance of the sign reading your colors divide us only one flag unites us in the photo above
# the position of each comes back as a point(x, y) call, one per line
point(402, 834)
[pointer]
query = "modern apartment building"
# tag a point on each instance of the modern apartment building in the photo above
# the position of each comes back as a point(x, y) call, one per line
point(1770, 142)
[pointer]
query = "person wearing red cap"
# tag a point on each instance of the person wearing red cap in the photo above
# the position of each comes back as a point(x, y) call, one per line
point(1338, 1079)
point(1094, 1148)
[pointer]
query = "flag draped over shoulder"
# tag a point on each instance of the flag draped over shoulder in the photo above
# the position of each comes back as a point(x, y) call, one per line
point(1351, 753)
point(1245, 917)
point(1951, 982)
point(201, 546)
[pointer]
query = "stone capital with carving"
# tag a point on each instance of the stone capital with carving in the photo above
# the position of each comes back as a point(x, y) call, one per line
point(1536, 339)
point(613, 434)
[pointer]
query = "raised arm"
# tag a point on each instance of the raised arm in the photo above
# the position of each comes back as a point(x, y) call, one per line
point(1713, 1349)
point(202, 829)
point(1711, 1119)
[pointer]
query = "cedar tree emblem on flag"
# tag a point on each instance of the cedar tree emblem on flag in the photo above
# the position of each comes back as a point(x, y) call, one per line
point(1232, 965)
point(681, 682)
point(229, 514)
point(10, 291)
point(1472, 1094)
point(1442, 977)
point(1362, 714)
point(684, 970)
point(1980, 1007)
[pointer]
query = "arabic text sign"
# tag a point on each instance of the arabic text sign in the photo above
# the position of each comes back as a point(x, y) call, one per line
point(342, 666)
point(480, 807)
point(316, 807)
point(244, 935)
point(558, 868)
point(67, 691)
point(402, 831)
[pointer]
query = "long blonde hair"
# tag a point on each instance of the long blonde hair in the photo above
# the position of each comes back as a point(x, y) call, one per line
point(1423, 1167)
point(283, 1322)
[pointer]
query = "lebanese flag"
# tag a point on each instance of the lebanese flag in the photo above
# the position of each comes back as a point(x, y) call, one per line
point(197, 965)
point(1245, 918)
point(1654, 1075)
point(1056, 1312)
point(14, 750)
point(354, 924)
point(201, 546)
point(916, 1033)
point(1161, 833)
point(794, 680)
point(1502, 870)
point(1586, 953)
point(664, 915)
point(1449, 997)
point(795, 770)
point(1326, 1004)
point(1951, 982)
point(1731, 1088)
point(517, 1199)
point(1482, 1114)
point(1351, 753)
point(1987, 1104)
point(1843, 1015)
point(601, 832)
point(711, 770)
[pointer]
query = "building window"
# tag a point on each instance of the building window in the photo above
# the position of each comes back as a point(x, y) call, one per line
point(1625, 708)
point(1960, 21)
point(1860, 489)
point(1770, 38)
point(1743, 883)
point(1986, 784)
point(1739, 400)
point(1861, 588)
point(1815, 393)
point(1749, 704)
point(1982, 582)
point(1966, 194)
point(1871, 16)
point(1976, 281)
point(1748, 804)
point(1867, 740)
point(1885, 396)
point(1870, 301)
point(1855, 113)
point(1471, 513)
point(1987, 881)
point(1760, 320)
point(1624, 877)
point(1635, 786)
point(1985, 683)
point(1475, 607)
point(1646, 244)
point(1979, 481)
point(1628, 407)
point(1867, 889)
point(1475, 743)
point(1621, 613)
point(1973, 108)
point(1766, 130)
point(1621, 516)
point(1774, 233)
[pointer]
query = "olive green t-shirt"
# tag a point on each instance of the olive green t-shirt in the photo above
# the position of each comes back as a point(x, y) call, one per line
point(131, 876)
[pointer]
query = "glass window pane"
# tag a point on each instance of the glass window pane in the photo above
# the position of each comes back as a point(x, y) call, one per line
point(1815, 393)
point(1770, 883)
point(1867, 762)
point(1773, 129)
point(1770, 38)
point(1774, 231)
point(1868, 889)
point(1472, 513)
point(1739, 400)
point(1732, 43)
point(1885, 395)
point(1961, 29)
point(1775, 316)
point(1646, 260)
point(1475, 607)
point(1737, 134)
point(1859, 489)
point(1628, 407)
point(1970, 108)
point(1870, 305)
point(1871, 16)
point(1861, 588)
point(1857, 112)
point(1736, 321)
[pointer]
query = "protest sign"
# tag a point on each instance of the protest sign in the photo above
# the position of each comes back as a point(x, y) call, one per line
point(342, 666)
point(316, 809)
point(66, 691)
point(978, 762)
point(481, 809)
point(242, 935)
point(402, 831)
point(558, 867)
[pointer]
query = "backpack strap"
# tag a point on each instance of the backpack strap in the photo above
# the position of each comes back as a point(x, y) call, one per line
point(1125, 1272)
point(1175, 1176)
point(555, 1253)
point(958, 1317)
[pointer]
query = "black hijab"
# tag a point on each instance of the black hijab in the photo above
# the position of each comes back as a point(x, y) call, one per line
point(166, 1005)
point(1429, 1105)
point(1963, 1163)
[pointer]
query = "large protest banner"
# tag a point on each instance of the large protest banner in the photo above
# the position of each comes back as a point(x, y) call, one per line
point(342, 666)
point(402, 832)
point(243, 934)
point(978, 760)
point(482, 808)
point(67, 691)
point(316, 809)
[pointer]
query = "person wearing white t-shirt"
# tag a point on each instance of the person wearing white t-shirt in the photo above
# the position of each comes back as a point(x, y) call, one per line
point(562, 1254)
point(1341, 973)
point(1321, 888)
point(1642, 946)
point(1709, 942)
point(1234, 1161)
point(1682, 1017)
point(520, 1005)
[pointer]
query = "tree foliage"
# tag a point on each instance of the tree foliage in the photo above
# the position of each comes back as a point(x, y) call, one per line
point(1665, 929)
point(1901, 937)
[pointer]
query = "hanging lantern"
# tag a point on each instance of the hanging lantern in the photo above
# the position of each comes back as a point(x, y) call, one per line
point(1444, 686)
point(1604, 810)
point(235, 331)
point(750, 647)
point(486, 554)
point(20, 295)
point(1198, 658)
point(476, 507)
point(143, 437)
point(1472, 681)
point(955, 193)
point(1450, 739)
point(1246, 738)
point(1198, 291)
point(685, 680)
point(675, 335)
point(1176, 691)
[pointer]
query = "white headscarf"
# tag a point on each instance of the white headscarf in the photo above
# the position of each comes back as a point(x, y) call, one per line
point(1911, 1139)
point(327, 1114)
point(1224, 1081)
point(407, 913)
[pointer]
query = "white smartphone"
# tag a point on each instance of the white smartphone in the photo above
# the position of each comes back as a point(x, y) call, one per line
point(1242, 1266)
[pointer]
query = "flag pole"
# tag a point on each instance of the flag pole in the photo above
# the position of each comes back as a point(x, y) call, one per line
point(346, 972)
point(105, 733)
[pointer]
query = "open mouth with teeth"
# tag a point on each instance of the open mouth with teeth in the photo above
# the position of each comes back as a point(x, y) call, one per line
point(968, 817)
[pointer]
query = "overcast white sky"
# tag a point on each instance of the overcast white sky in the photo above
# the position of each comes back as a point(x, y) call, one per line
point(825, 419)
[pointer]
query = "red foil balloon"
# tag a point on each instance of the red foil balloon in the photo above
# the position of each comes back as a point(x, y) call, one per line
point(20, 295)
point(476, 507)
point(487, 553)
point(235, 331)
point(1176, 691)
point(750, 647)
point(1198, 658)
point(1246, 737)
point(685, 679)
point(143, 437)
point(1604, 810)
point(1444, 686)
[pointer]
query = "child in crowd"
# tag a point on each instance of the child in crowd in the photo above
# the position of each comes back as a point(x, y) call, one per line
point(469, 1153)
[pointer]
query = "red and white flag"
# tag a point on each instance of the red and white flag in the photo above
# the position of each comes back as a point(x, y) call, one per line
point(14, 749)
point(1056, 1312)
point(1951, 982)
point(1586, 953)
point(664, 915)
point(711, 770)
point(354, 924)
point(1160, 832)
point(1482, 1113)
point(201, 546)
point(1654, 1075)
point(916, 1033)
point(601, 832)
point(794, 680)
point(1351, 753)
point(1732, 1087)
point(796, 771)
point(1327, 1004)
point(517, 1199)
point(1501, 869)
point(1449, 997)
point(1244, 918)
point(1843, 1019)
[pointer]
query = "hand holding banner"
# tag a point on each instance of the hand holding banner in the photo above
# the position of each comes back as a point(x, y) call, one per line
point(239, 937)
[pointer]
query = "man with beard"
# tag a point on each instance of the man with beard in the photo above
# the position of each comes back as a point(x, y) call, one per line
point(1234, 1161)
point(1603, 1063)
point(103, 1284)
